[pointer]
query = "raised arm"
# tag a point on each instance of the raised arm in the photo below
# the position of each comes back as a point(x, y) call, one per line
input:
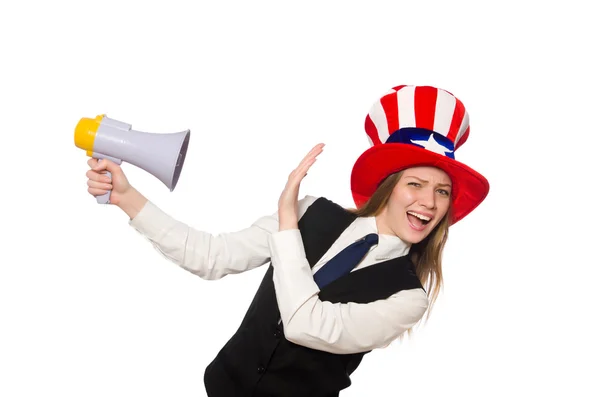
point(209, 256)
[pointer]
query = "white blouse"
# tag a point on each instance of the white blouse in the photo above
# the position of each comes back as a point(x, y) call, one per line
point(341, 328)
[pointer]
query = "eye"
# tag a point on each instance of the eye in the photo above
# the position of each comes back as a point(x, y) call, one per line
point(444, 192)
point(414, 184)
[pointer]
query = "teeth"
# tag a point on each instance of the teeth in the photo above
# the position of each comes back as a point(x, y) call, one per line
point(422, 217)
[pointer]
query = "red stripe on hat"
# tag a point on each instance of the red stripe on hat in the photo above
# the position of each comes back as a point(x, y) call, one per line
point(457, 118)
point(372, 130)
point(463, 138)
point(425, 98)
point(390, 108)
point(398, 87)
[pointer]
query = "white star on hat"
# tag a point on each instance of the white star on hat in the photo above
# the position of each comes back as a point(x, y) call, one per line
point(433, 145)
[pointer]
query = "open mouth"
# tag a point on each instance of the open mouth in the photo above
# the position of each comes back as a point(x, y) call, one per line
point(417, 221)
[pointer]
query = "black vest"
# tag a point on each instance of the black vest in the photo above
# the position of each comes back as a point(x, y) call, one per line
point(258, 361)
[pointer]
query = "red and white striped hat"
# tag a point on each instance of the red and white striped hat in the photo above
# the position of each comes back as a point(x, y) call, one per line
point(413, 126)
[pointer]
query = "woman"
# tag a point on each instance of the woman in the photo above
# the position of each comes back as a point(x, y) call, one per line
point(322, 306)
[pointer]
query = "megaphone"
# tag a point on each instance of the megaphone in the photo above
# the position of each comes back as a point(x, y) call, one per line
point(162, 155)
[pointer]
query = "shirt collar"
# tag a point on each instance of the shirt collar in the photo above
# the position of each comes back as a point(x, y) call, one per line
point(389, 246)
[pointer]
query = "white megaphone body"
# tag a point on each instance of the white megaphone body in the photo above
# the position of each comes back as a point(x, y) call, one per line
point(162, 155)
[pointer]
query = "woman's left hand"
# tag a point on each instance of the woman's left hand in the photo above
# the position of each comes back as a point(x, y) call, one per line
point(288, 211)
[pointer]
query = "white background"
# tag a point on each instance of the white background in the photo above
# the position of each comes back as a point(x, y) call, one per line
point(89, 308)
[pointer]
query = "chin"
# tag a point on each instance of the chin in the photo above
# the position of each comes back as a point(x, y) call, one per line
point(414, 239)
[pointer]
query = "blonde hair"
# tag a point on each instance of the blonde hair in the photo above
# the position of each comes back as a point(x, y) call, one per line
point(427, 254)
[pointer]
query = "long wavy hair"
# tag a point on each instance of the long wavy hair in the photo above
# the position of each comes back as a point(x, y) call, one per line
point(425, 255)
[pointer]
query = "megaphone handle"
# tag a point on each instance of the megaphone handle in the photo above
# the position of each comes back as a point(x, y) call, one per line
point(105, 198)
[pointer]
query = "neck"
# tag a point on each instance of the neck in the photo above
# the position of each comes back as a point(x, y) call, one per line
point(384, 229)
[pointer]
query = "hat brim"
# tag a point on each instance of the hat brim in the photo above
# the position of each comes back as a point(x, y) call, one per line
point(469, 188)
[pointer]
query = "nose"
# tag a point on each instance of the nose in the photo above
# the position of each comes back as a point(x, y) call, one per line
point(427, 198)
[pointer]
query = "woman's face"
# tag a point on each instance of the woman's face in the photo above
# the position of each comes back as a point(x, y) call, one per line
point(417, 204)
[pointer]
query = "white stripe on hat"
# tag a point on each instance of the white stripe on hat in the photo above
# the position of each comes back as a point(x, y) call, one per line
point(406, 107)
point(463, 127)
point(444, 110)
point(378, 117)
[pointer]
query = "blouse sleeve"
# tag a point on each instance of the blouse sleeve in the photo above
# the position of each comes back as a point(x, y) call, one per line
point(209, 256)
point(341, 328)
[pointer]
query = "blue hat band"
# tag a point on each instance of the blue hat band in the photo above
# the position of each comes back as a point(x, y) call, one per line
point(425, 139)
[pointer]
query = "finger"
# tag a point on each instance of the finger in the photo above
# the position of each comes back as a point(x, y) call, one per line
point(301, 171)
point(101, 164)
point(96, 192)
point(92, 162)
point(97, 176)
point(309, 159)
point(314, 152)
point(303, 167)
point(105, 164)
point(298, 175)
point(99, 185)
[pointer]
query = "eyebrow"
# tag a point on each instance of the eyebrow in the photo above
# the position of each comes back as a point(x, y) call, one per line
point(424, 181)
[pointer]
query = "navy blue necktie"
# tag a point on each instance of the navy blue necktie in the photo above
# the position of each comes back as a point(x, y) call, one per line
point(345, 261)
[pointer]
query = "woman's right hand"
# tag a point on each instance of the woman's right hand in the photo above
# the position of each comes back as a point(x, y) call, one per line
point(99, 182)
